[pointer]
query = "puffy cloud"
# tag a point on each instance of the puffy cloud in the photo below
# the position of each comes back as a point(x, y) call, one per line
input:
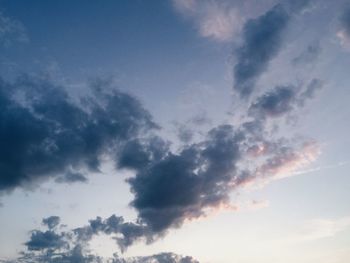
point(51, 221)
point(69, 246)
point(169, 187)
point(262, 40)
point(138, 153)
point(125, 233)
point(165, 258)
point(43, 133)
point(182, 186)
point(45, 240)
point(76, 255)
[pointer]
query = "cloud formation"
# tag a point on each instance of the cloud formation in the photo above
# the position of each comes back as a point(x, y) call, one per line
point(44, 134)
point(262, 41)
point(69, 246)
point(283, 100)
point(51, 221)
point(182, 186)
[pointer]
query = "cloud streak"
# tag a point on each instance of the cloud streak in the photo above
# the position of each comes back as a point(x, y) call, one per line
point(262, 41)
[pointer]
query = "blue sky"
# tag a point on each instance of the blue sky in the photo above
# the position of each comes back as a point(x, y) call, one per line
point(173, 131)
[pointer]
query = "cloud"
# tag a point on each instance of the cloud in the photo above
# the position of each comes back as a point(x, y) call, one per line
point(262, 41)
point(216, 20)
point(283, 99)
point(69, 247)
point(288, 160)
point(44, 134)
point(166, 258)
point(344, 32)
point(169, 187)
point(45, 240)
point(51, 221)
point(125, 233)
point(136, 154)
point(11, 31)
point(77, 255)
point(181, 186)
point(274, 103)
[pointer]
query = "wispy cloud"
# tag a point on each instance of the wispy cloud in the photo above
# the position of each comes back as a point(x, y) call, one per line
point(11, 30)
point(343, 33)
point(321, 228)
point(217, 20)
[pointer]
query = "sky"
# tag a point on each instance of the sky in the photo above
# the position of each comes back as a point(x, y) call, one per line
point(174, 131)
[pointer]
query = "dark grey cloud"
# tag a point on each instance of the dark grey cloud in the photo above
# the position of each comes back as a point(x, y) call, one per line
point(274, 103)
point(69, 247)
point(43, 133)
point(76, 255)
point(262, 40)
point(165, 258)
point(171, 187)
point(125, 233)
point(183, 185)
point(51, 222)
point(283, 100)
point(138, 153)
point(45, 240)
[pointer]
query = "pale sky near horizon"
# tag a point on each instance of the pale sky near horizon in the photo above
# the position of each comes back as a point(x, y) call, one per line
point(217, 129)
